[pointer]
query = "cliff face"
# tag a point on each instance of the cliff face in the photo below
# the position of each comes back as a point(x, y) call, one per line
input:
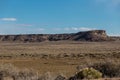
point(34, 37)
point(95, 35)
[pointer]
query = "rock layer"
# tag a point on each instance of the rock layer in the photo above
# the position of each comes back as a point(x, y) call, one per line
point(94, 35)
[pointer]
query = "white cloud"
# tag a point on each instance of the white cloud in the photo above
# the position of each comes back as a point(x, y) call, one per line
point(40, 29)
point(86, 29)
point(75, 28)
point(56, 29)
point(17, 25)
point(114, 34)
point(21, 30)
point(8, 19)
point(79, 29)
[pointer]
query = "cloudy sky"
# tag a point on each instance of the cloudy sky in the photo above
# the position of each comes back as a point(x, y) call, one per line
point(59, 16)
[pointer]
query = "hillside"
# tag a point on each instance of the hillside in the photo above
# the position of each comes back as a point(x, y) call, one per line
point(94, 35)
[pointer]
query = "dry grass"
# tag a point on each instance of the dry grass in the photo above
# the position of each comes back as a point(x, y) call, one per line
point(59, 47)
point(58, 57)
point(51, 65)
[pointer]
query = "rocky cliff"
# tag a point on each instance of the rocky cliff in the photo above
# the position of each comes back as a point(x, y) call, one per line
point(94, 35)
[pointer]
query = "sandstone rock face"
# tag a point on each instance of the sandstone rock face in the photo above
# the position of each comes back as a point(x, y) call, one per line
point(94, 35)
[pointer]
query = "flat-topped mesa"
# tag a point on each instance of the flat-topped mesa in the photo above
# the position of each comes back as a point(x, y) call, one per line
point(93, 35)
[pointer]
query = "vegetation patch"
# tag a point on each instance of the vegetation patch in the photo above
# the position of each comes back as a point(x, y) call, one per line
point(87, 73)
point(109, 69)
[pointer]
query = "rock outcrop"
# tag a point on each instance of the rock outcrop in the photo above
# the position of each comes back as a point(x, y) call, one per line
point(94, 35)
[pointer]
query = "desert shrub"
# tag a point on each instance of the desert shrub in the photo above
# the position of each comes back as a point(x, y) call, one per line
point(47, 76)
point(88, 73)
point(27, 74)
point(8, 70)
point(60, 77)
point(109, 69)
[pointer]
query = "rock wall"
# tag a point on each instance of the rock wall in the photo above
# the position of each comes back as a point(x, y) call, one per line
point(95, 35)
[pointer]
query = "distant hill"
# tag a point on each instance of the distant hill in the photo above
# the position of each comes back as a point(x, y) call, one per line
point(93, 35)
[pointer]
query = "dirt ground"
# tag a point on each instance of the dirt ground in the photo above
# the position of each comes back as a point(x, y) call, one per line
point(58, 57)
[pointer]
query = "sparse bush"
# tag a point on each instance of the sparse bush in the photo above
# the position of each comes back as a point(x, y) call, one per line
point(8, 70)
point(60, 77)
point(109, 69)
point(27, 74)
point(92, 71)
point(46, 76)
point(88, 73)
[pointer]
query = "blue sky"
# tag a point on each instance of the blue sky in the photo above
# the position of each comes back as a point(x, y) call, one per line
point(59, 16)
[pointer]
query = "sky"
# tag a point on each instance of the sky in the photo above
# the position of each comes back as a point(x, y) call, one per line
point(59, 16)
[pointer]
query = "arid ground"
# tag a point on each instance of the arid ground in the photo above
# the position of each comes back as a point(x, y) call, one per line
point(60, 56)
